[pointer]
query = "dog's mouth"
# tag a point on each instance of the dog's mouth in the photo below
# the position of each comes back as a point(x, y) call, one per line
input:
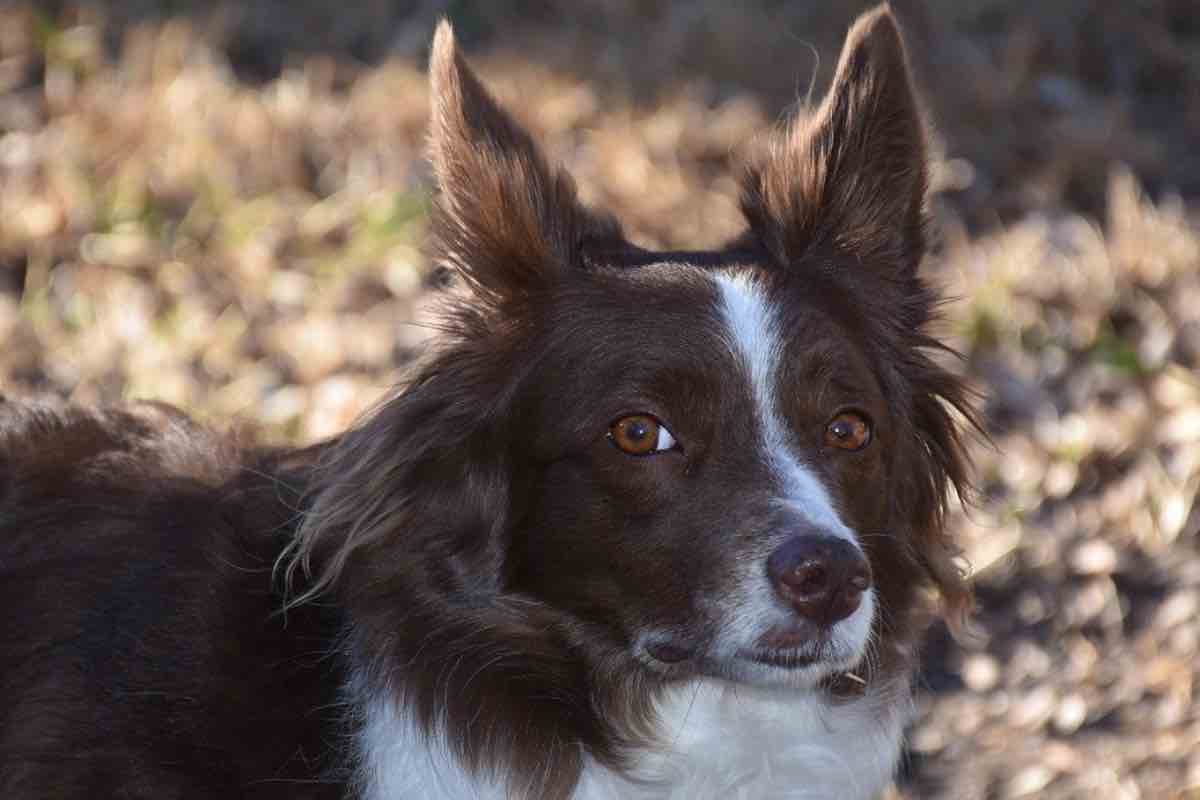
point(815, 664)
point(673, 654)
point(816, 659)
point(837, 679)
point(785, 659)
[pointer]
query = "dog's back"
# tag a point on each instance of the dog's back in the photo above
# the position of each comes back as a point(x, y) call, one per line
point(124, 534)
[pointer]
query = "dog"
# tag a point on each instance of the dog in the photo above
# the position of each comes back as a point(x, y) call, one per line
point(641, 524)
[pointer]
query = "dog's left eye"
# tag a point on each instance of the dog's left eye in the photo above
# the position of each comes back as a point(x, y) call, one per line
point(640, 435)
point(849, 430)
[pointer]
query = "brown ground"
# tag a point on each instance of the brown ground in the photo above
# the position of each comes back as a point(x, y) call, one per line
point(223, 209)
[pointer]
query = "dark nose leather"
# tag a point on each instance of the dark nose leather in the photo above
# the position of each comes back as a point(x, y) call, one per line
point(822, 577)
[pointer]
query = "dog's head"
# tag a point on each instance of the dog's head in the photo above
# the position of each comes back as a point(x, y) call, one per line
point(731, 463)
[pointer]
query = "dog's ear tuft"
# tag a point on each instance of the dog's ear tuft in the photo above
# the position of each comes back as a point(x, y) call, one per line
point(503, 218)
point(853, 175)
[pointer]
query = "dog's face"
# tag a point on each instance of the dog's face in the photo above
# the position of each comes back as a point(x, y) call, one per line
point(709, 452)
point(730, 463)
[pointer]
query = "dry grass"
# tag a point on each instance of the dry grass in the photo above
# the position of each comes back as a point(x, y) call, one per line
point(225, 211)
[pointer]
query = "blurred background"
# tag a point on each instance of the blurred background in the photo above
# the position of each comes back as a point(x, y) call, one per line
point(222, 206)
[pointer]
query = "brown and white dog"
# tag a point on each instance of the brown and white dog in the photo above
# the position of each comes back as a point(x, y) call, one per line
point(643, 525)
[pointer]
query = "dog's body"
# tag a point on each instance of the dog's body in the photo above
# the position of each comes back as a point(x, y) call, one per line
point(645, 525)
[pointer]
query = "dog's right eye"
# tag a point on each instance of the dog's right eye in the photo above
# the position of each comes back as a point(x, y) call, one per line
point(640, 435)
point(849, 430)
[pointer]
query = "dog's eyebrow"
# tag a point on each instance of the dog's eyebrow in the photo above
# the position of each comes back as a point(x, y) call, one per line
point(831, 383)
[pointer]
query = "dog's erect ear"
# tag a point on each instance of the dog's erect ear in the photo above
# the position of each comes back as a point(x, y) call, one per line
point(503, 218)
point(853, 175)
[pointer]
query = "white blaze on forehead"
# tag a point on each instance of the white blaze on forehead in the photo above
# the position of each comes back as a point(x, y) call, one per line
point(754, 338)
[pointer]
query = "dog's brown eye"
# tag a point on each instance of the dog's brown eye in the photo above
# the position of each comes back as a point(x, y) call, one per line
point(849, 430)
point(640, 435)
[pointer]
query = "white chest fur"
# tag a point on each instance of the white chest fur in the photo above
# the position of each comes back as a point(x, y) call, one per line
point(718, 742)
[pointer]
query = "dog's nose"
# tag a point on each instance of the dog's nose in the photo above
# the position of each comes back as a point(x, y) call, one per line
point(822, 577)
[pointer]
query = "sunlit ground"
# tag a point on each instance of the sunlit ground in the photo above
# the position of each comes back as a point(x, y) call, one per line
point(183, 222)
